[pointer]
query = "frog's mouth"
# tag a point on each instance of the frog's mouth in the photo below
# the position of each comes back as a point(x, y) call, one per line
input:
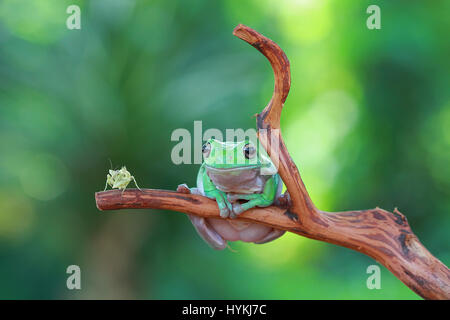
point(236, 179)
point(229, 170)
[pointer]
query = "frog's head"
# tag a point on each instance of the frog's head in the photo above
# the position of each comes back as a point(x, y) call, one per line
point(233, 157)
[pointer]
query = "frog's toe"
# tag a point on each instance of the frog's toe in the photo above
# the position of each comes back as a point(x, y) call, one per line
point(183, 188)
point(224, 212)
point(225, 208)
point(237, 210)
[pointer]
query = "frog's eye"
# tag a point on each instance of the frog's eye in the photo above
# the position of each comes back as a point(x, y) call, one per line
point(249, 151)
point(206, 149)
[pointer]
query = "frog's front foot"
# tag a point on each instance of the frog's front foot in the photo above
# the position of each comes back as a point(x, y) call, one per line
point(237, 210)
point(224, 205)
point(183, 188)
point(225, 211)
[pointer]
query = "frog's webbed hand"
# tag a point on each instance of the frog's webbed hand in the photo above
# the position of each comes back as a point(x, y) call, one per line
point(225, 206)
point(263, 199)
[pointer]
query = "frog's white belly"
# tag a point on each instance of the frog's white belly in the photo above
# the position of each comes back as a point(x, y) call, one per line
point(244, 181)
point(256, 186)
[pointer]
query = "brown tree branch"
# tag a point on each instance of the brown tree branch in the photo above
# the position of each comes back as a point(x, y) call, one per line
point(385, 236)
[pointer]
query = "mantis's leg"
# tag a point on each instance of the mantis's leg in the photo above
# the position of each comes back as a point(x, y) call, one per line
point(108, 181)
point(136, 183)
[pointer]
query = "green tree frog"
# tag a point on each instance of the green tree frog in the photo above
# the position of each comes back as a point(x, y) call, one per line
point(238, 177)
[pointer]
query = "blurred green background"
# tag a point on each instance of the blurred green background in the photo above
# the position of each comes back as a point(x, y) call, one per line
point(367, 122)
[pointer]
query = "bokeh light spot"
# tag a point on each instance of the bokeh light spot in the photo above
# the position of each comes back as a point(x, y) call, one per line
point(313, 137)
point(35, 20)
point(44, 177)
point(305, 21)
point(16, 215)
